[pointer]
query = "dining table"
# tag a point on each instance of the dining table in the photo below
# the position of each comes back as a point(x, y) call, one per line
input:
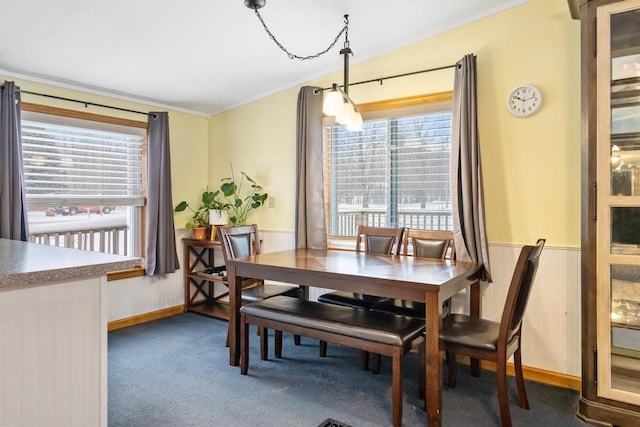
point(404, 277)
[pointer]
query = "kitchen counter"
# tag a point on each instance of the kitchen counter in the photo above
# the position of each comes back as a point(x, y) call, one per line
point(53, 324)
point(24, 264)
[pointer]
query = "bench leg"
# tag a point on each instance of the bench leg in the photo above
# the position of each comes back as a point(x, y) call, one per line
point(264, 343)
point(364, 360)
point(244, 345)
point(376, 364)
point(278, 344)
point(323, 349)
point(396, 378)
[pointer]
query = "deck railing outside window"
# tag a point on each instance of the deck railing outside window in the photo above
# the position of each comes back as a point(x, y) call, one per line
point(348, 221)
point(112, 240)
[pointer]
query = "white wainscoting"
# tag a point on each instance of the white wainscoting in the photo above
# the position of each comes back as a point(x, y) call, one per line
point(53, 355)
point(551, 334)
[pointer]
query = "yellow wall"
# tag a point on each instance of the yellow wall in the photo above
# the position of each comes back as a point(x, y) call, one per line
point(531, 166)
point(188, 134)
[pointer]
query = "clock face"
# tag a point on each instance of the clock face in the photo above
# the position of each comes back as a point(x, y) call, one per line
point(524, 101)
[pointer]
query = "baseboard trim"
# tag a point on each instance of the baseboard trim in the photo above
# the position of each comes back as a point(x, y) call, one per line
point(542, 376)
point(534, 374)
point(146, 317)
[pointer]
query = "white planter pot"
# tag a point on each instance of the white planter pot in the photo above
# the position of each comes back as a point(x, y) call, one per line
point(217, 217)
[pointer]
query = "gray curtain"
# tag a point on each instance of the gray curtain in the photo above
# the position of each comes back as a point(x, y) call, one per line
point(161, 255)
point(466, 170)
point(310, 219)
point(13, 201)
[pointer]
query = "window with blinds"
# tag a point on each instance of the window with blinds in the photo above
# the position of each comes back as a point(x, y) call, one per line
point(394, 173)
point(69, 165)
point(84, 178)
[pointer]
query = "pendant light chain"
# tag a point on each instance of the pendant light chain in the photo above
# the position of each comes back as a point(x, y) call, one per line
point(344, 30)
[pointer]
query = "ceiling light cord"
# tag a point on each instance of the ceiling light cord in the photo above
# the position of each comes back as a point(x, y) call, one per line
point(344, 30)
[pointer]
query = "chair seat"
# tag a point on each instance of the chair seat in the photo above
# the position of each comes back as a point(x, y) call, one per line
point(379, 327)
point(467, 331)
point(262, 292)
point(351, 299)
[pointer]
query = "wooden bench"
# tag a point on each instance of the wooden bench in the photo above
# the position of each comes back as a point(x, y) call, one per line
point(381, 333)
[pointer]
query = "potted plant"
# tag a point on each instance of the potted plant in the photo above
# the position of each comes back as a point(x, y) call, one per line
point(240, 201)
point(218, 214)
point(200, 218)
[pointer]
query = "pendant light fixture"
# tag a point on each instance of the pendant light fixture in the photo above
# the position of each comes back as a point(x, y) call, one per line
point(337, 102)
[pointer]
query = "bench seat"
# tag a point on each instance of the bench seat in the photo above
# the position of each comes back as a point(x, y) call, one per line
point(382, 333)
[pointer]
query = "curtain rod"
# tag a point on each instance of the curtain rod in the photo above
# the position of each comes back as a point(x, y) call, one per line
point(87, 103)
point(381, 79)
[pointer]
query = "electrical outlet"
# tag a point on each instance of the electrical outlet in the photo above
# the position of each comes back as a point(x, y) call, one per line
point(272, 202)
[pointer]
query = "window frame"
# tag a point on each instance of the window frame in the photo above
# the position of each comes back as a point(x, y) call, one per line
point(379, 109)
point(111, 120)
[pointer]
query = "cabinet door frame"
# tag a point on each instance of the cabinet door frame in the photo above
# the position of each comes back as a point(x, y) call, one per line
point(606, 201)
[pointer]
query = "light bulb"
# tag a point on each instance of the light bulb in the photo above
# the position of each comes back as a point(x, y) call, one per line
point(333, 101)
point(343, 116)
point(357, 126)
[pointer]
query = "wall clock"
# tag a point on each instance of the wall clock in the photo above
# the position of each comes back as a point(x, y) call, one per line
point(524, 101)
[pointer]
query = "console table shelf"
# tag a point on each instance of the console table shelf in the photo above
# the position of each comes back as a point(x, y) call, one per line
point(199, 291)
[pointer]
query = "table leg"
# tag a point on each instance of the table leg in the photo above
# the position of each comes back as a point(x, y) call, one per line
point(475, 310)
point(235, 299)
point(433, 364)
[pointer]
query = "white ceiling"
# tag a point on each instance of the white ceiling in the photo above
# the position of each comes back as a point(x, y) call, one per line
point(208, 56)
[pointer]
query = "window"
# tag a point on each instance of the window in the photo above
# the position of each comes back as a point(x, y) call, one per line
point(84, 180)
point(395, 173)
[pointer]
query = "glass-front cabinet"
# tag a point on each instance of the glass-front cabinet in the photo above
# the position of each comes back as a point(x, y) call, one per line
point(611, 212)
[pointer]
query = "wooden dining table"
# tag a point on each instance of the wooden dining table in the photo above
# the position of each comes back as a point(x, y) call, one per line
point(394, 276)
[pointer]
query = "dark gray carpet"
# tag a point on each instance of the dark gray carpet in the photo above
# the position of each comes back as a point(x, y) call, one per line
point(175, 372)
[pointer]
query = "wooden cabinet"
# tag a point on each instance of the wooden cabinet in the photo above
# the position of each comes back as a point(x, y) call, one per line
point(204, 293)
point(610, 212)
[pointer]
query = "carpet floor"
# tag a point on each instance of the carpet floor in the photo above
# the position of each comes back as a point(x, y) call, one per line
point(175, 372)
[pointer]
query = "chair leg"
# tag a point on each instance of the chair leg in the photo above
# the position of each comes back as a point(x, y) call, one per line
point(452, 364)
point(278, 344)
point(296, 339)
point(376, 364)
point(364, 360)
point(522, 392)
point(503, 396)
point(396, 379)
point(323, 349)
point(264, 343)
point(244, 345)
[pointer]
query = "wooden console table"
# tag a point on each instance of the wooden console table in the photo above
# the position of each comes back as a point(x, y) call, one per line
point(200, 291)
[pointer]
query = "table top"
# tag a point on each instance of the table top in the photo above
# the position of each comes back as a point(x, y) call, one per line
point(316, 267)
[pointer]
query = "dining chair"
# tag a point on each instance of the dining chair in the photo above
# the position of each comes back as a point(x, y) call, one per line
point(241, 241)
point(371, 240)
point(483, 339)
point(436, 244)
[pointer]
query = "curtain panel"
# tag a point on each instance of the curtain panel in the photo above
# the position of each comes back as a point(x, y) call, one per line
point(161, 255)
point(310, 231)
point(466, 170)
point(13, 201)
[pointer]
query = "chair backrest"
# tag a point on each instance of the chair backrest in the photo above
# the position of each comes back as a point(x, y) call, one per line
point(239, 241)
point(428, 243)
point(379, 240)
point(519, 290)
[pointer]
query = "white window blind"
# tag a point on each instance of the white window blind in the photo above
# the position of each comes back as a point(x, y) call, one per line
point(395, 173)
point(71, 165)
